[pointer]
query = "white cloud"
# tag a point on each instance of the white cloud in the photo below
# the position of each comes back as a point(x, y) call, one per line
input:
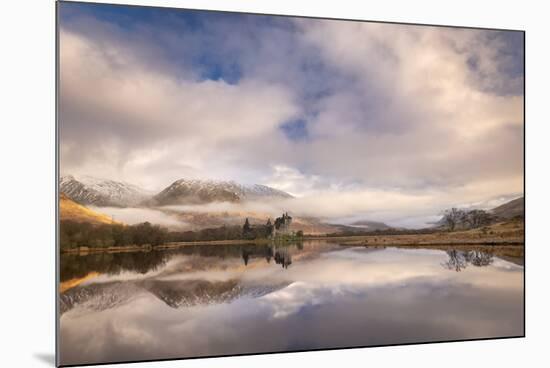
point(401, 121)
point(116, 112)
point(132, 216)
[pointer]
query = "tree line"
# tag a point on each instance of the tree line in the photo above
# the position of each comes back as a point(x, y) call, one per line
point(78, 234)
point(455, 218)
point(82, 234)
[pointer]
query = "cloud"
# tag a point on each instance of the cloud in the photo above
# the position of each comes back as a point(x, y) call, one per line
point(132, 216)
point(117, 115)
point(352, 118)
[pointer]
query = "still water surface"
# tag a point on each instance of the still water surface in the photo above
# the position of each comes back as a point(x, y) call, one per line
point(219, 300)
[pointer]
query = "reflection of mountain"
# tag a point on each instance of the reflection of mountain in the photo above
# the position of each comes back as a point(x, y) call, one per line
point(76, 270)
point(97, 296)
point(69, 284)
point(179, 294)
point(186, 191)
point(70, 210)
point(101, 192)
point(187, 293)
point(519, 261)
point(175, 294)
point(74, 266)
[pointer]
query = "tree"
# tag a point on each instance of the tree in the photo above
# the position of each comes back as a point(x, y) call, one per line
point(457, 218)
point(247, 229)
point(453, 217)
point(269, 227)
point(478, 218)
point(480, 258)
point(457, 260)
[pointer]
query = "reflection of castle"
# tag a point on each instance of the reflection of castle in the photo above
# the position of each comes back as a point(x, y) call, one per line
point(281, 254)
point(283, 258)
point(282, 225)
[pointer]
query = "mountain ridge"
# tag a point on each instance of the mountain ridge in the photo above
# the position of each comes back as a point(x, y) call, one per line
point(199, 191)
point(89, 190)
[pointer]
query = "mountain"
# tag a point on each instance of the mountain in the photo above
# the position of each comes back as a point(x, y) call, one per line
point(101, 192)
point(367, 225)
point(194, 191)
point(510, 209)
point(70, 210)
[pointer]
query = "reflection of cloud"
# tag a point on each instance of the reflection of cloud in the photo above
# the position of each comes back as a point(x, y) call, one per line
point(322, 308)
point(292, 298)
point(348, 297)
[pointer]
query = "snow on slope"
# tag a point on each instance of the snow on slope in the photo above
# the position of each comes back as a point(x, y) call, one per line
point(101, 192)
point(194, 191)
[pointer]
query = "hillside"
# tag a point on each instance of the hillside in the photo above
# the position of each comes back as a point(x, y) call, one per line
point(193, 220)
point(505, 233)
point(194, 191)
point(366, 225)
point(510, 209)
point(70, 210)
point(101, 192)
point(464, 218)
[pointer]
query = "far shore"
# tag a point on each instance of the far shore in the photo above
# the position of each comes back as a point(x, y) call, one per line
point(437, 240)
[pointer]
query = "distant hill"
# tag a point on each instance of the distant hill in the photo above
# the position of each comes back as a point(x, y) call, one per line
point(101, 192)
point(367, 225)
point(70, 210)
point(193, 191)
point(510, 209)
point(194, 220)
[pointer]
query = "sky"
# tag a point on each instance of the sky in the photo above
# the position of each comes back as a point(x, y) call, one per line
point(355, 119)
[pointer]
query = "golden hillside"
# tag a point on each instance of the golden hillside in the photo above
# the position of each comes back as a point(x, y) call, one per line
point(70, 210)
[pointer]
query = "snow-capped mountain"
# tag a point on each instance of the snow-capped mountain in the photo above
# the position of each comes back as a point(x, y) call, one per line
point(195, 191)
point(101, 192)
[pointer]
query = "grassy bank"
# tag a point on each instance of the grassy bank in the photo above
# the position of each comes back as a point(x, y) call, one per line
point(509, 235)
point(505, 233)
point(126, 248)
point(174, 245)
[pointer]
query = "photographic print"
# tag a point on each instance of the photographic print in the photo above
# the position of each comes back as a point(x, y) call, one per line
point(234, 183)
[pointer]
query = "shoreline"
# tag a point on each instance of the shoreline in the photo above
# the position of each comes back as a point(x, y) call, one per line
point(173, 245)
point(402, 241)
